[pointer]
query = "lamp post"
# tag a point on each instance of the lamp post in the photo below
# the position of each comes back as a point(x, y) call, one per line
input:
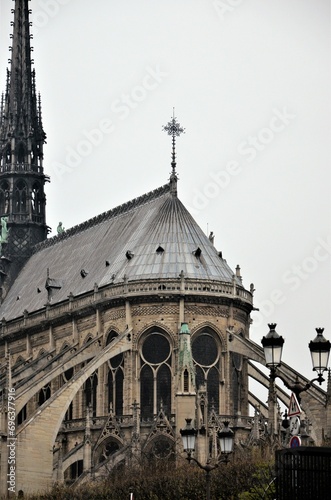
point(319, 348)
point(273, 348)
point(226, 439)
point(273, 345)
point(320, 351)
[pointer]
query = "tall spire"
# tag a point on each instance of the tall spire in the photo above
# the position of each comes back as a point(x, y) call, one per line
point(174, 129)
point(21, 117)
point(22, 179)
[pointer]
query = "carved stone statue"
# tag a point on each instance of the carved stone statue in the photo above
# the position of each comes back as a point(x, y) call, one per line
point(60, 228)
point(211, 237)
point(4, 232)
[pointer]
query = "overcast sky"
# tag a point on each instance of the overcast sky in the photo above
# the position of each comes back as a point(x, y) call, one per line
point(250, 82)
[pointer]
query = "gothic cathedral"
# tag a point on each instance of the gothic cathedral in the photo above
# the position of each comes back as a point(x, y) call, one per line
point(115, 331)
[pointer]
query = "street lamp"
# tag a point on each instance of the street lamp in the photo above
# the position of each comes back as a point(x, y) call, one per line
point(320, 351)
point(188, 437)
point(319, 348)
point(226, 438)
point(273, 347)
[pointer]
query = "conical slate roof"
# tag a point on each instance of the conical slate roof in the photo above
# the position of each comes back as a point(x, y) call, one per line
point(150, 238)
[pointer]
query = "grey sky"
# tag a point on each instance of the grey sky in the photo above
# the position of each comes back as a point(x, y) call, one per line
point(250, 81)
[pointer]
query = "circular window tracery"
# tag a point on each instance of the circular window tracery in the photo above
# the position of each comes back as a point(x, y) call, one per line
point(156, 349)
point(204, 350)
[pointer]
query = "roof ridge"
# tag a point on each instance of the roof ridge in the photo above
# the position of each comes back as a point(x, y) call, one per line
point(119, 210)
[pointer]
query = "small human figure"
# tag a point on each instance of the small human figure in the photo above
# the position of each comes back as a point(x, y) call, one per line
point(60, 228)
point(4, 230)
point(211, 237)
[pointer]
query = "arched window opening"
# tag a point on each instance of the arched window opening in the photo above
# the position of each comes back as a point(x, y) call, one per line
point(236, 381)
point(205, 351)
point(44, 394)
point(115, 378)
point(147, 392)
point(213, 389)
point(186, 381)
point(68, 374)
point(155, 375)
point(116, 361)
point(8, 154)
point(34, 157)
point(36, 199)
point(164, 389)
point(91, 385)
point(88, 339)
point(21, 416)
point(119, 379)
point(20, 196)
point(76, 469)
point(115, 391)
point(111, 336)
point(21, 153)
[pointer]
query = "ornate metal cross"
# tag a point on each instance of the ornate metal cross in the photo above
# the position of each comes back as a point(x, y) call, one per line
point(173, 128)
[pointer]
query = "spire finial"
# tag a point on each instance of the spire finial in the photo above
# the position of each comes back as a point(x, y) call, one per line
point(173, 128)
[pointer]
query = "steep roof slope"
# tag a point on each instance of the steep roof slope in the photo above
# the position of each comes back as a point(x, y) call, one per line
point(151, 237)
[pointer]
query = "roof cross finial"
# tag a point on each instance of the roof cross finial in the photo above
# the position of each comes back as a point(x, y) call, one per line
point(173, 128)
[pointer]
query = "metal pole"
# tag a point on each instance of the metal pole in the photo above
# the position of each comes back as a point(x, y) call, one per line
point(207, 484)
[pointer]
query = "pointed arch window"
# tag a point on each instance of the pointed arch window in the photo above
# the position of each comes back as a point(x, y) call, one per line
point(76, 469)
point(147, 392)
point(36, 199)
point(206, 356)
point(20, 197)
point(34, 158)
point(115, 379)
point(91, 385)
point(21, 153)
point(237, 362)
point(7, 157)
point(186, 381)
point(115, 390)
point(44, 394)
point(163, 380)
point(213, 388)
point(155, 375)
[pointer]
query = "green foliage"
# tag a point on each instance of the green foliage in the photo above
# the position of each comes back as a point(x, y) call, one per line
point(263, 486)
point(240, 480)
